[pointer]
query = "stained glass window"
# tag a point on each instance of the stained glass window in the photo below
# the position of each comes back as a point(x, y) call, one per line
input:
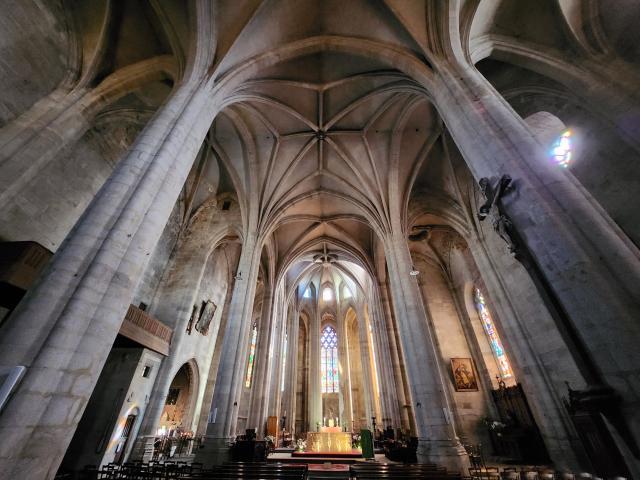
point(327, 294)
point(492, 334)
point(561, 150)
point(252, 355)
point(347, 292)
point(329, 360)
point(307, 293)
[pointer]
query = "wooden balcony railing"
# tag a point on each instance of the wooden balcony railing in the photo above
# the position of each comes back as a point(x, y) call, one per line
point(141, 327)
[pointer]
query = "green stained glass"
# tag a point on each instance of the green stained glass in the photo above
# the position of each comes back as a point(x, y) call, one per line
point(252, 355)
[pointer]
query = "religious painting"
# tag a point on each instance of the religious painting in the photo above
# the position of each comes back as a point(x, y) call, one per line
point(206, 316)
point(464, 377)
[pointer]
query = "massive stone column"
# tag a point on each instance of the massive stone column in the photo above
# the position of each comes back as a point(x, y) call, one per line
point(64, 328)
point(290, 373)
point(533, 347)
point(277, 360)
point(437, 440)
point(259, 388)
point(388, 392)
point(367, 374)
point(346, 413)
point(294, 372)
point(406, 420)
point(231, 371)
point(587, 266)
point(315, 388)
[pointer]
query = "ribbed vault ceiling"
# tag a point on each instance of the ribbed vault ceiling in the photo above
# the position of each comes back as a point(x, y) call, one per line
point(326, 149)
point(321, 146)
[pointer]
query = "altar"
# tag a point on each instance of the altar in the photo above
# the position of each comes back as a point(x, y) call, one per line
point(329, 443)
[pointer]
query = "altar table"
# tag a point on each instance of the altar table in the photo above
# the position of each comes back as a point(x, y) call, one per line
point(329, 442)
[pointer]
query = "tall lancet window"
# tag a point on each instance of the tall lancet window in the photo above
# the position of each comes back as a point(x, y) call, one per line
point(252, 355)
point(492, 334)
point(329, 360)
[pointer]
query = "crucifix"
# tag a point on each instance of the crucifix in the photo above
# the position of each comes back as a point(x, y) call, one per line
point(491, 208)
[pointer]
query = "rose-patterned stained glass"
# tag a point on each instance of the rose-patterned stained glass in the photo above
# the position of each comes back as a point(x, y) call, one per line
point(252, 355)
point(329, 360)
point(492, 334)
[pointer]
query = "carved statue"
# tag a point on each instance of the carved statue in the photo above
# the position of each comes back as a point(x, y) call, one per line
point(491, 208)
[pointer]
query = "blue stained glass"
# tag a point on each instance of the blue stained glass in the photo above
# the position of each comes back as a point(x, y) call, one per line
point(562, 149)
point(494, 338)
point(329, 360)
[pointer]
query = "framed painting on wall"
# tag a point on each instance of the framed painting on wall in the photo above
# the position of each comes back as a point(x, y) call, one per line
point(464, 376)
point(206, 315)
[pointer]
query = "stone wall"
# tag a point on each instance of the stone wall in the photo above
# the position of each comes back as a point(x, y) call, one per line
point(35, 51)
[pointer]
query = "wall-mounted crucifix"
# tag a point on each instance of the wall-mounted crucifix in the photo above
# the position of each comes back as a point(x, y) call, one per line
point(492, 209)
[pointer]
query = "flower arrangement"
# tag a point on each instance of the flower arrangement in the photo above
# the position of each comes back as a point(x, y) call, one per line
point(356, 440)
point(494, 426)
point(271, 444)
point(301, 445)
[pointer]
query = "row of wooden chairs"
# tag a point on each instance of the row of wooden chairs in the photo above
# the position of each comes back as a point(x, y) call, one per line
point(397, 471)
point(512, 473)
point(182, 470)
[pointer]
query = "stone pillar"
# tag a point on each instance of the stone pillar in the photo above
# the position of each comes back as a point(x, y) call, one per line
point(290, 374)
point(528, 342)
point(275, 392)
point(315, 388)
point(407, 421)
point(231, 371)
point(258, 401)
point(345, 381)
point(291, 414)
point(375, 372)
point(558, 227)
point(272, 365)
point(388, 391)
point(65, 326)
point(367, 374)
point(437, 440)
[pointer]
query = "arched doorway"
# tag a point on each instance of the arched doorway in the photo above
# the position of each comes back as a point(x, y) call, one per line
point(177, 413)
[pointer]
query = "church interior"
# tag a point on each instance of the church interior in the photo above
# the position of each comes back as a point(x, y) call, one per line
point(290, 239)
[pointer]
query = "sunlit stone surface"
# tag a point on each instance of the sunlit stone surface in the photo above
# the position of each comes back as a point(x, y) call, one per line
point(326, 442)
